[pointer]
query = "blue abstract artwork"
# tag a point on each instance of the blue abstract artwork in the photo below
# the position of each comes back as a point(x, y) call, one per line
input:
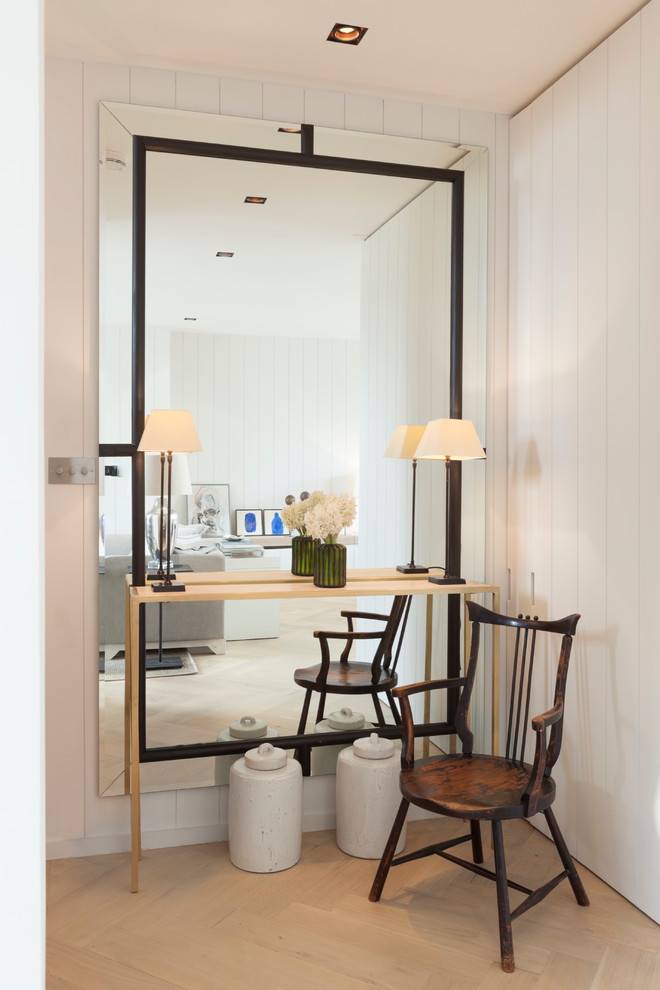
point(273, 523)
point(250, 522)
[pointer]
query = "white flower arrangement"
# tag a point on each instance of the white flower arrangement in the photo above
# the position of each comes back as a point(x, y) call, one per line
point(329, 516)
point(294, 516)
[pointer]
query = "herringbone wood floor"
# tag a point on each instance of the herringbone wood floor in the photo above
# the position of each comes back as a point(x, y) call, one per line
point(200, 924)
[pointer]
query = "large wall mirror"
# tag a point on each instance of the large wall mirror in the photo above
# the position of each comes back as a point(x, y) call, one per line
point(299, 331)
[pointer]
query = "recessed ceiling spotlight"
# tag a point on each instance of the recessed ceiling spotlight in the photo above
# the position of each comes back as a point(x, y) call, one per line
point(224, 254)
point(260, 200)
point(193, 319)
point(347, 34)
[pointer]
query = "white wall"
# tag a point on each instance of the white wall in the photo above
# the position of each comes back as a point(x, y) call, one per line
point(584, 405)
point(22, 906)
point(78, 821)
point(275, 415)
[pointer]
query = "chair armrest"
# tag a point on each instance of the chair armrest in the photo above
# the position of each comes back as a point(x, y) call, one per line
point(540, 725)
point(408, 728)
point(363, 615)
point(349, 636)
point(541, 722)
point(338, 634)
point(446, 682)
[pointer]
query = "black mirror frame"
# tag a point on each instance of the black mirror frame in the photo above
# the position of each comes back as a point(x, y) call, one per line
point(304, 158)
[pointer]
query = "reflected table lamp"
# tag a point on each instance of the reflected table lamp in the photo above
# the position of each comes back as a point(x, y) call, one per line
point(403, 444)
point(152, 486)
point(166, 432)
point(449, 440)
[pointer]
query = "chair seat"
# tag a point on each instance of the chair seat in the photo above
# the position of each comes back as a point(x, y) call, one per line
point(354, 678)
point(479, 787)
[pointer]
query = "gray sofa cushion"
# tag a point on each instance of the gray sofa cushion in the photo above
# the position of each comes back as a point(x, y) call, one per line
point(193, 623)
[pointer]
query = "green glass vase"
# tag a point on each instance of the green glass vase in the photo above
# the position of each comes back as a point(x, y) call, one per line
point(330, 565)
point(302, 555)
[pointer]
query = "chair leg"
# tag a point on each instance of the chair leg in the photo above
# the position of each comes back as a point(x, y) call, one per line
point(388, 852)
point(379, 709)
point(305, 712)
point(567, 859)
point(503, 910)
point(393, 706)
point(477, 848)
point(320, 710)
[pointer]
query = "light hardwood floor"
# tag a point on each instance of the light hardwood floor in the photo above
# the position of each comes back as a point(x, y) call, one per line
point(200, 924)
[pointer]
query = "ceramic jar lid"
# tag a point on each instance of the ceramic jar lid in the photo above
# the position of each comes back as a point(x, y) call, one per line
point(247, 727)
point(346, 719)
point(373, 748)
point(266, 757)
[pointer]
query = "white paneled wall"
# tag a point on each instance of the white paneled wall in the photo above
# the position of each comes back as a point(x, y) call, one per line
point(275, 415)
point(583, 404)
point(78, 821)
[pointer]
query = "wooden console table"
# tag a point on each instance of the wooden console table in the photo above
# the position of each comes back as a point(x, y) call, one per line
point(212, 586)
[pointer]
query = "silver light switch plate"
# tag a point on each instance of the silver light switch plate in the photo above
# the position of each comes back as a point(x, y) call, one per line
point(71, 470)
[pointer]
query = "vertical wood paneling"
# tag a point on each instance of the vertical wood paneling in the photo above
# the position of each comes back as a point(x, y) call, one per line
point(402, 118)
point(284, 103)
point(364, 113)
point(153, 87)
point(324, 108)
point(602, 530)
point(266, 443)
point(563, 576)
point(622, 424)
point(649, 467)
point(241, 97)
point(591, 660)
point(196, 92)
point(540, 450)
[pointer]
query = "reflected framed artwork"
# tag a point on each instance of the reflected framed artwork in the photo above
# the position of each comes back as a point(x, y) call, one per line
point(209, 506)
point(273, 523)
point(249, 522)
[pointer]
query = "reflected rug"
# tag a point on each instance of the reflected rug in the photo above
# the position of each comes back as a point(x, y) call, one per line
point(114, 669)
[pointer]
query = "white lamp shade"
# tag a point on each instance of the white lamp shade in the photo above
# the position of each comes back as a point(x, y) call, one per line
point(455, 439)
point(169, 430)
point(181, 484)
point(404, 442)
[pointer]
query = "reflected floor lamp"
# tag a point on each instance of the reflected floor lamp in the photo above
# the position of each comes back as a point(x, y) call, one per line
point(450, 440)
point(166, 432)
point(403, 444)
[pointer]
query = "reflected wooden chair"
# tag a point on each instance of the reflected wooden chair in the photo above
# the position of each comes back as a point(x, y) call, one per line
point(346, 676)
point(491, 788)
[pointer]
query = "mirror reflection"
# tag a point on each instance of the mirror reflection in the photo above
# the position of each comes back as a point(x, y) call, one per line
point(255, 317)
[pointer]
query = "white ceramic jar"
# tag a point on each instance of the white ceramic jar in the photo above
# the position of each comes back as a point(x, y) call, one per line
point(247, 727)
point(368, 796)
point(324, 758)
point(265, 811)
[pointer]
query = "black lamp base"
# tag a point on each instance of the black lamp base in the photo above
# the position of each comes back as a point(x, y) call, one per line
point(411, 569)
point(447, 579)
point(163, 663)
point(173, 586)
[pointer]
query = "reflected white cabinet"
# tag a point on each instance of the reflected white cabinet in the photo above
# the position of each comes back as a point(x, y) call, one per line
point(250, 619)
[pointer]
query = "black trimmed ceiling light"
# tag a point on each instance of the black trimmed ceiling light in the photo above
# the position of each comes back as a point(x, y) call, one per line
point(259, 200)
point(347, 34)
point(224, 254)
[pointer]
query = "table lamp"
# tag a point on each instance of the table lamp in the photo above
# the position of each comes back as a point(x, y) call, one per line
point(449, 440)
point(166, 432)
point(403, 445)
point(180, 486)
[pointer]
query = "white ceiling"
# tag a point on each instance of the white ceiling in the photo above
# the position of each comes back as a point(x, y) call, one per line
point(303, 246)
point(494, 56)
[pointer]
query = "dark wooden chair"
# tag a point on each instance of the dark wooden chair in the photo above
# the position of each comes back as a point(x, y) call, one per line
point(346, 676)
point(490, 788)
